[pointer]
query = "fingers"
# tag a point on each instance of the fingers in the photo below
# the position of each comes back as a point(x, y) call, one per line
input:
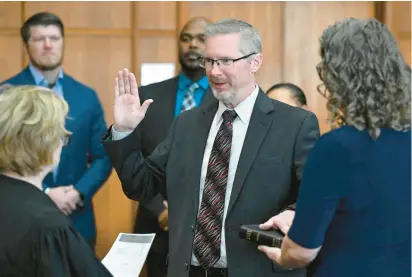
point(284, 226)
point(146, 105)
point(116, 87)
point(71, 205)
point(267, 225)
point(126, 81)
point(121, 83)
point(272, 252)
point(165, 204)
point(133, 85)
point(66, 209)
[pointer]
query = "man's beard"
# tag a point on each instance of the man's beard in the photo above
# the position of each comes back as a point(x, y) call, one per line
point(227, 97)
point(186, 67)
point(44, 67)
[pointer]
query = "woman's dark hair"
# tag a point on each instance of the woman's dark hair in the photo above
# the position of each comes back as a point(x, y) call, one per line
point(40, 19)
point(366, 81)
point(297, 92)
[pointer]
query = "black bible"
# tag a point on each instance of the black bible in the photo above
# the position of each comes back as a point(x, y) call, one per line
point(253, 233)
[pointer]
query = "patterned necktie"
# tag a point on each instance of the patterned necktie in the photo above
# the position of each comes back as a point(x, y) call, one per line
point(210, 217)
point(189, 100)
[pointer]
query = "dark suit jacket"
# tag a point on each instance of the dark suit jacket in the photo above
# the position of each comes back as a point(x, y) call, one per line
point(274, 153)
point(153, 130)
point(86, 122)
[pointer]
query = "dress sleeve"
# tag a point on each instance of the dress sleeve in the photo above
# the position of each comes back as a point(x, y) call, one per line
point(60, 251)
point(324, 182)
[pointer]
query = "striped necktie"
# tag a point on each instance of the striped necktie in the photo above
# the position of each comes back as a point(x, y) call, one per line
point(210, 217)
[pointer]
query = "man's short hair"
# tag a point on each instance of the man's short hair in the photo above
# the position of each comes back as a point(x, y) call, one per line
point(32, 123)
point(40, 19)
point(297, 92)
point(250, 40)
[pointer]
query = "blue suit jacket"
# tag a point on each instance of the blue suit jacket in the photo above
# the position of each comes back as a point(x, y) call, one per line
point(84, 162)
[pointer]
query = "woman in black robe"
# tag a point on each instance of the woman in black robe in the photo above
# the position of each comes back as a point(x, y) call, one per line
point(36, 238)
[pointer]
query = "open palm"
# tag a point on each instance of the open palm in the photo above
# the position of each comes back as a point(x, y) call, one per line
point(128, 112)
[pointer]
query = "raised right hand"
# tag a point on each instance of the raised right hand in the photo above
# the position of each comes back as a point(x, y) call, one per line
point(127, 112)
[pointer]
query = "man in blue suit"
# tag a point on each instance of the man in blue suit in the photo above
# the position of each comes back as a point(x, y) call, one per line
point(84, 165)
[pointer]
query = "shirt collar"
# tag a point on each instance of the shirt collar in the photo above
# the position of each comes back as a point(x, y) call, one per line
point(185, 82)
point(39, 78)
point(243, 110)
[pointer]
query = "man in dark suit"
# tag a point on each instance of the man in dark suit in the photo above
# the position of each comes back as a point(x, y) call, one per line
point(171, 98)
point(84, 165)
point(235, 161)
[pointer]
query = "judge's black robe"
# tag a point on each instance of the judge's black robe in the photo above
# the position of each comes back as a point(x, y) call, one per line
point(37, 240)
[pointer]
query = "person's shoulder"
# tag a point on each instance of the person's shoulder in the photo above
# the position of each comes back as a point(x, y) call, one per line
point(346, 138)
point(75, 86)
point(290, 111)
point(48, 220)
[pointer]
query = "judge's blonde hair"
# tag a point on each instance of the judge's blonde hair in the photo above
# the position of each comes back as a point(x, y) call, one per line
point(32, 123)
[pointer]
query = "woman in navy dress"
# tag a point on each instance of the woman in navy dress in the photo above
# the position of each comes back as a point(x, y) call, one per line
point(353, 213)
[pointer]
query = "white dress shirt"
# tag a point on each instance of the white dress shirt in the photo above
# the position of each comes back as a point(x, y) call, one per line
point(240, 126)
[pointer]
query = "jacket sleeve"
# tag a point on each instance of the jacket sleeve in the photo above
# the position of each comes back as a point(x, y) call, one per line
point(142, 179)
point(100, 166)
point(307, 136)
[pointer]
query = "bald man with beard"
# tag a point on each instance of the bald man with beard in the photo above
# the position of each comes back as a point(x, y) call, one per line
point(173, 96)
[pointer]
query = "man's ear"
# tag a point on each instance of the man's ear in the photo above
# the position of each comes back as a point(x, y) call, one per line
point(256, 62)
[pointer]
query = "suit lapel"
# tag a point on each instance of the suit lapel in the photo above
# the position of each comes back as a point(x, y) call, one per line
point(259, 124)
point(28, 77)
point(70, 121)
point(198, 149)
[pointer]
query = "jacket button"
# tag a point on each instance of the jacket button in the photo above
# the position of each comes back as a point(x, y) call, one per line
point(186, 266)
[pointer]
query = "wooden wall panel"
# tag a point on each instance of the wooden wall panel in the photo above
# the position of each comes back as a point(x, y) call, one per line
point(105, 56)
point(158, 49)
point(105, 15)
point(10, 15)
point(155, 50)
point(304, 23)
point(157, 15)
point(95, 61)
point(265, 16)
point(397, 16)
point(11, 57)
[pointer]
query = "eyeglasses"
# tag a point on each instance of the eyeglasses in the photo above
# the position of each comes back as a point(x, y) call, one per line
point(65, 139)
point(221, 63)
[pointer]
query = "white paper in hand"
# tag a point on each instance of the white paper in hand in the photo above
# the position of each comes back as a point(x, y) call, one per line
point(128, 254)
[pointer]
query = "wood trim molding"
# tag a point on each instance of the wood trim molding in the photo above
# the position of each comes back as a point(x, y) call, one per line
point(133, 42)
point(182, 14)
point(157, 33)
point(404, 35)
point(25, 59)
point(98, 32)
point(103, 32)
